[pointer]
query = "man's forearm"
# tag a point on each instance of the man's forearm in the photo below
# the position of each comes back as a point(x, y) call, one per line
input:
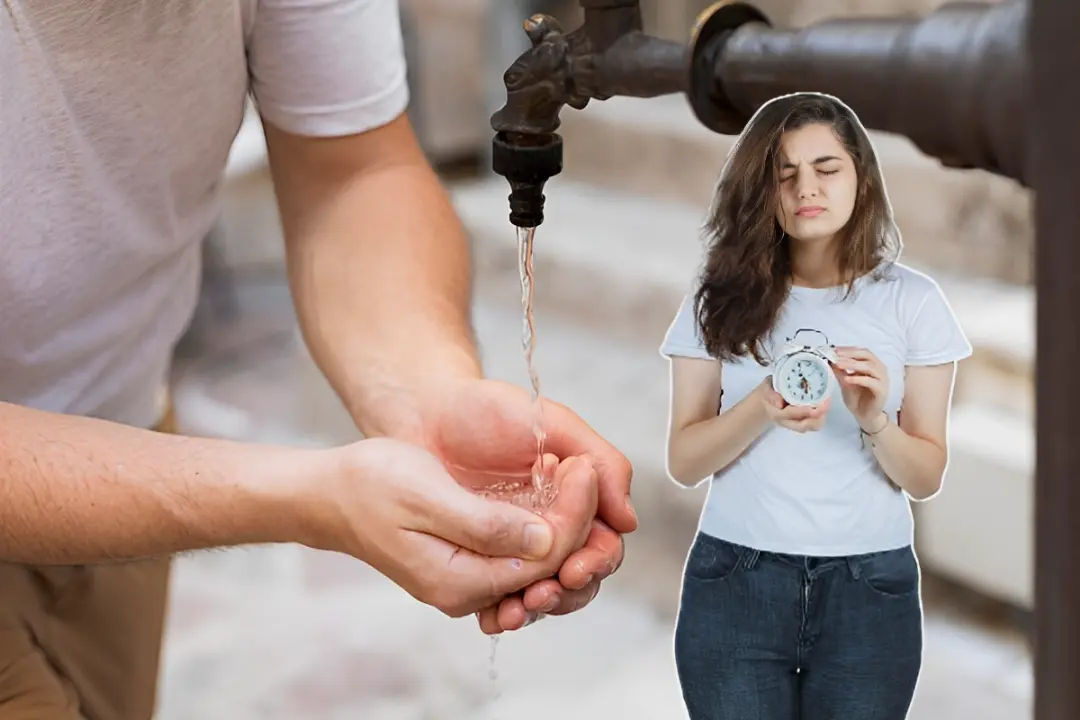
point(76, 490)
point(379, 265)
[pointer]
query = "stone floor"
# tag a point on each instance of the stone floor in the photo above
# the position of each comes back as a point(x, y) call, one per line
point(283, 632)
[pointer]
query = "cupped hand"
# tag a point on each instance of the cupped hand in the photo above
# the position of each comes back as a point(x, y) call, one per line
point(395, 506)
point(864, 384)
point(488, 426)
point(570, 592)
point(799, 418)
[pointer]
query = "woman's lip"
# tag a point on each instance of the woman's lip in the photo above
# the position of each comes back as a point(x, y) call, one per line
point(810, 211)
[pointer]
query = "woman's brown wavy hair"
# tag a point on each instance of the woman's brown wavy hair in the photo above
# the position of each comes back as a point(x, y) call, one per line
point(746, 277)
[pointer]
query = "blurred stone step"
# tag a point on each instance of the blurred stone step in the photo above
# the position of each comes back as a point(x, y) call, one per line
point(621, 264)
point(979, 530)
point(641, 686)
point(999, 320)
point(646, 687)
point(311, 634)
point(970, 222)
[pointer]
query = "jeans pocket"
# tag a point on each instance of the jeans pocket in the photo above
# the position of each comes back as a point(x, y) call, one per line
point(894, 573)
point(713, 559)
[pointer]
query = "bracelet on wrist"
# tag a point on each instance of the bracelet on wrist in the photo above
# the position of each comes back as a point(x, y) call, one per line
point(881, 429)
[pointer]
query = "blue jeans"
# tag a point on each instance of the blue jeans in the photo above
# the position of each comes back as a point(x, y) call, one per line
point(765, 636)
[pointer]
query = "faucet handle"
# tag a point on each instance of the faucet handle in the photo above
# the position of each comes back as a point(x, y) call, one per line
point(539, 26)
point(540, 81)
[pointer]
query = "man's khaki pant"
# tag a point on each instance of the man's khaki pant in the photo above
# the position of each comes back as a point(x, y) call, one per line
point(82, 642)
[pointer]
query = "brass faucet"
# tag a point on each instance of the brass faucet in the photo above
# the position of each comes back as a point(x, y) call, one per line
point(953, 82)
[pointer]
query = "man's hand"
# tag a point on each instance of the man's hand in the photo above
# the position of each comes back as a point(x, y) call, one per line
point(482, 431)
point(574, 588)
point(394, 506)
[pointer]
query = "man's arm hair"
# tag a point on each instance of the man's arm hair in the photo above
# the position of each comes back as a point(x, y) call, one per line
point(77, 490)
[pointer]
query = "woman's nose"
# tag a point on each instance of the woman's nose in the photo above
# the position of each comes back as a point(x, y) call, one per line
point(806, 184)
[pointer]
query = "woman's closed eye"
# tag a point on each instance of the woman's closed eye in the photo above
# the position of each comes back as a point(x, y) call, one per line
point(787, 178)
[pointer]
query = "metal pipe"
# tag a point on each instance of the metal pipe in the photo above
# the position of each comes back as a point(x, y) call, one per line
point(966, 61)
point(608, 20)
point(637, 65)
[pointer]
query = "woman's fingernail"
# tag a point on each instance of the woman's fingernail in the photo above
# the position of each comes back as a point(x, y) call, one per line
point(530, 619)
point(630, 507)
point(550, 605)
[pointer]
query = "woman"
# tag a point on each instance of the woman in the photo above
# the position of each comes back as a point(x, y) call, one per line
point(800, 596)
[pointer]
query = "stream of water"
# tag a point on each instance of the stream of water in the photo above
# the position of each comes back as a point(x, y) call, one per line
point(541, 494)
point(525, 271)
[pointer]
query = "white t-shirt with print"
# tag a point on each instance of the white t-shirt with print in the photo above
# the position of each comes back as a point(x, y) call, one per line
point(116, 122)
point(823, 493)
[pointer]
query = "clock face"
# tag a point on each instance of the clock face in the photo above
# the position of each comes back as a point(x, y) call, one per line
point(805, 380)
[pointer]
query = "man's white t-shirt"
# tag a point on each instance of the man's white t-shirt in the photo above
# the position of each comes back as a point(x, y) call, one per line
point(116, 121)
point(823, 493)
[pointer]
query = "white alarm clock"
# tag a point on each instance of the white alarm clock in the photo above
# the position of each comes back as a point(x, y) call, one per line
point(801, 373)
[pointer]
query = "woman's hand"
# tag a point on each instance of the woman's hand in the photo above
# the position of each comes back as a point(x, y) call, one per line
point(798, 418)
point(864, 384)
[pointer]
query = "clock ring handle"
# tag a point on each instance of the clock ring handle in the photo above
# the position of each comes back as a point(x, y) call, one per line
point(811, 330)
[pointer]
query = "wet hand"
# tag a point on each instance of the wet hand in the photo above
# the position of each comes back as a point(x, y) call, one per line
point(798, 418)
point(576, 586)
point(488, 425)
point(395, 506)
point(864, 384)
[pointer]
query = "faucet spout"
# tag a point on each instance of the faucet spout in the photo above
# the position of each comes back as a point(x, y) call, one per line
point(527, 161)
point(608, 55)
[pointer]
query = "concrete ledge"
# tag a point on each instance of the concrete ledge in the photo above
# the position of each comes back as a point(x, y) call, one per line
point(980, 529)
point(999, 320)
